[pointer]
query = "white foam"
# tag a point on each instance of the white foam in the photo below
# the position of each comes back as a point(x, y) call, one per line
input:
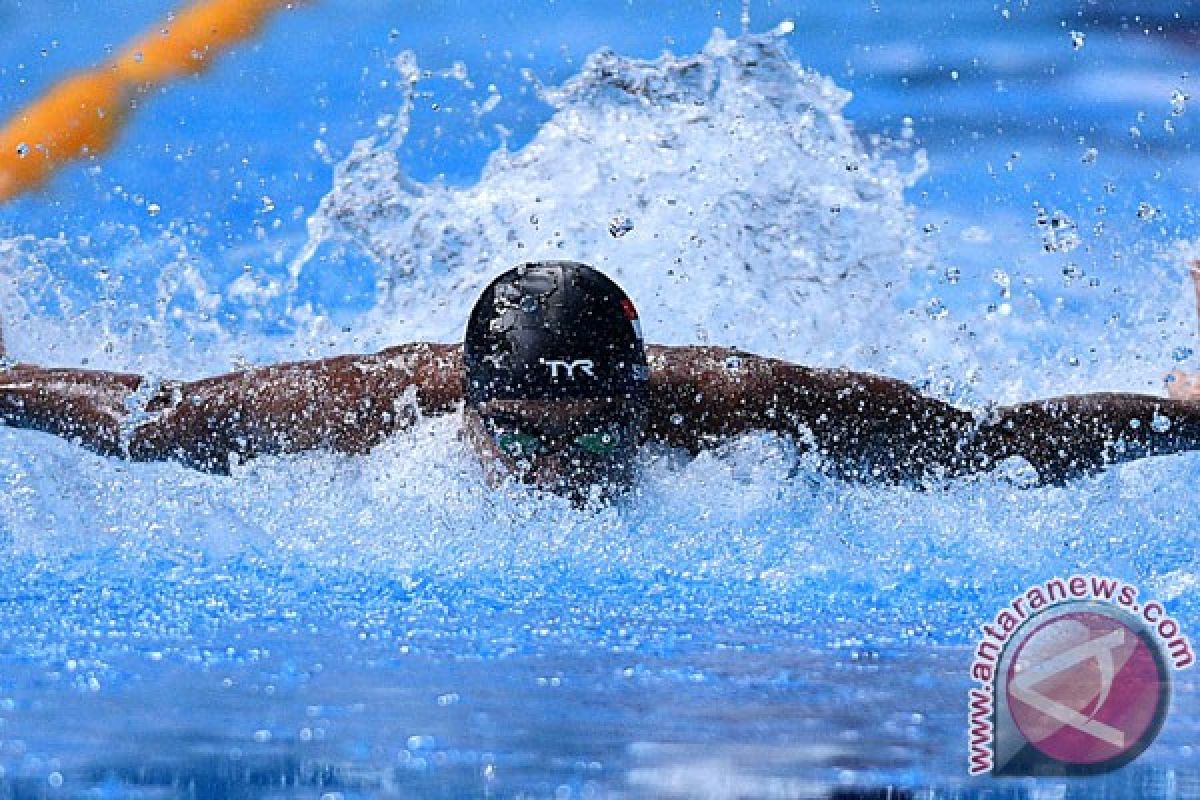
point(759, 218)
point(729, 164)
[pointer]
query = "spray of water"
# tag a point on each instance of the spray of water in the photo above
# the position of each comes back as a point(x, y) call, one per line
point(726, 191)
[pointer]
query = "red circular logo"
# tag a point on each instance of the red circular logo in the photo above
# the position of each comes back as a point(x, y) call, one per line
point(1087, 688)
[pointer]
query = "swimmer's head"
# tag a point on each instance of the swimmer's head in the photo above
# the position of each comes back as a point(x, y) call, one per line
point(556, 378)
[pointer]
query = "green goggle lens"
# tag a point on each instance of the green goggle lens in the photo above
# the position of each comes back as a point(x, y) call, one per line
point(601, 443)
point(517, 444)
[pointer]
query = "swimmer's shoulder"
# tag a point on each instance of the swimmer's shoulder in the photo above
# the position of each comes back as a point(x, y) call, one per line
point(673, 362)
point(417, 357)
point(696, 366)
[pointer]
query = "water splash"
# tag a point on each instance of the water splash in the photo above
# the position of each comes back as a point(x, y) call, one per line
point(762, 220)
point(750, 213)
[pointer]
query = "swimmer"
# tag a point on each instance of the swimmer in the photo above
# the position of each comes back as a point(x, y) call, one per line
point(556, 388)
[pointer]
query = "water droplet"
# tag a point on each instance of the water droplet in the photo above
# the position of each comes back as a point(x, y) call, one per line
point(1077, 39)
point(936, 309)
point(677, 419)
point(1146, 211)
point(1089, 155)
point(619, 226)
point(1059, 232)
point(153, 209)
point(530, 304)
point(1179, 101)
point(22, 150)
point(733, 363)
point(1160, 423)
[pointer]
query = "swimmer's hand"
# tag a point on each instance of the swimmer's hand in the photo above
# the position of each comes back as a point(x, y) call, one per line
point(1183, 385)
point(1186, 385)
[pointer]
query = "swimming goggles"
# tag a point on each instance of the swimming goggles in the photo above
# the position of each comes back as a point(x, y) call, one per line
point(518, 441)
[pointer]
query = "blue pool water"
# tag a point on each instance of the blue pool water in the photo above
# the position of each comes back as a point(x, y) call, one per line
point(862, 190)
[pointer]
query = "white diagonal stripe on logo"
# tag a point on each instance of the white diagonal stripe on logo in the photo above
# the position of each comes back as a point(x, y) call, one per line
point(1100, 649)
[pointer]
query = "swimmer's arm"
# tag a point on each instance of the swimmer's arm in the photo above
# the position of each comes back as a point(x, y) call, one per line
point(1075, 435)
point(1065, 437)
point(875, 428)
point(346, 403)
point(863, 426)
point(85, 406)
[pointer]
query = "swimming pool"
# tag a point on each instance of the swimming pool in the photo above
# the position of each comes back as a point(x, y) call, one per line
point(742, 626)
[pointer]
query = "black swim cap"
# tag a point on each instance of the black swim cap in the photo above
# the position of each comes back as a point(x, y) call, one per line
point(554, 330)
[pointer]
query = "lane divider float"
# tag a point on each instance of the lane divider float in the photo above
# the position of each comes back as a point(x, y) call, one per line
point(81, 116)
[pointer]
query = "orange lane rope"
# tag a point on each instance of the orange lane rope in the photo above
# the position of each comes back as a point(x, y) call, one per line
point(81, 116)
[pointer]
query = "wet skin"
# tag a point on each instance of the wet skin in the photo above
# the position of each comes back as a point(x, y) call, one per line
point(866, 427)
